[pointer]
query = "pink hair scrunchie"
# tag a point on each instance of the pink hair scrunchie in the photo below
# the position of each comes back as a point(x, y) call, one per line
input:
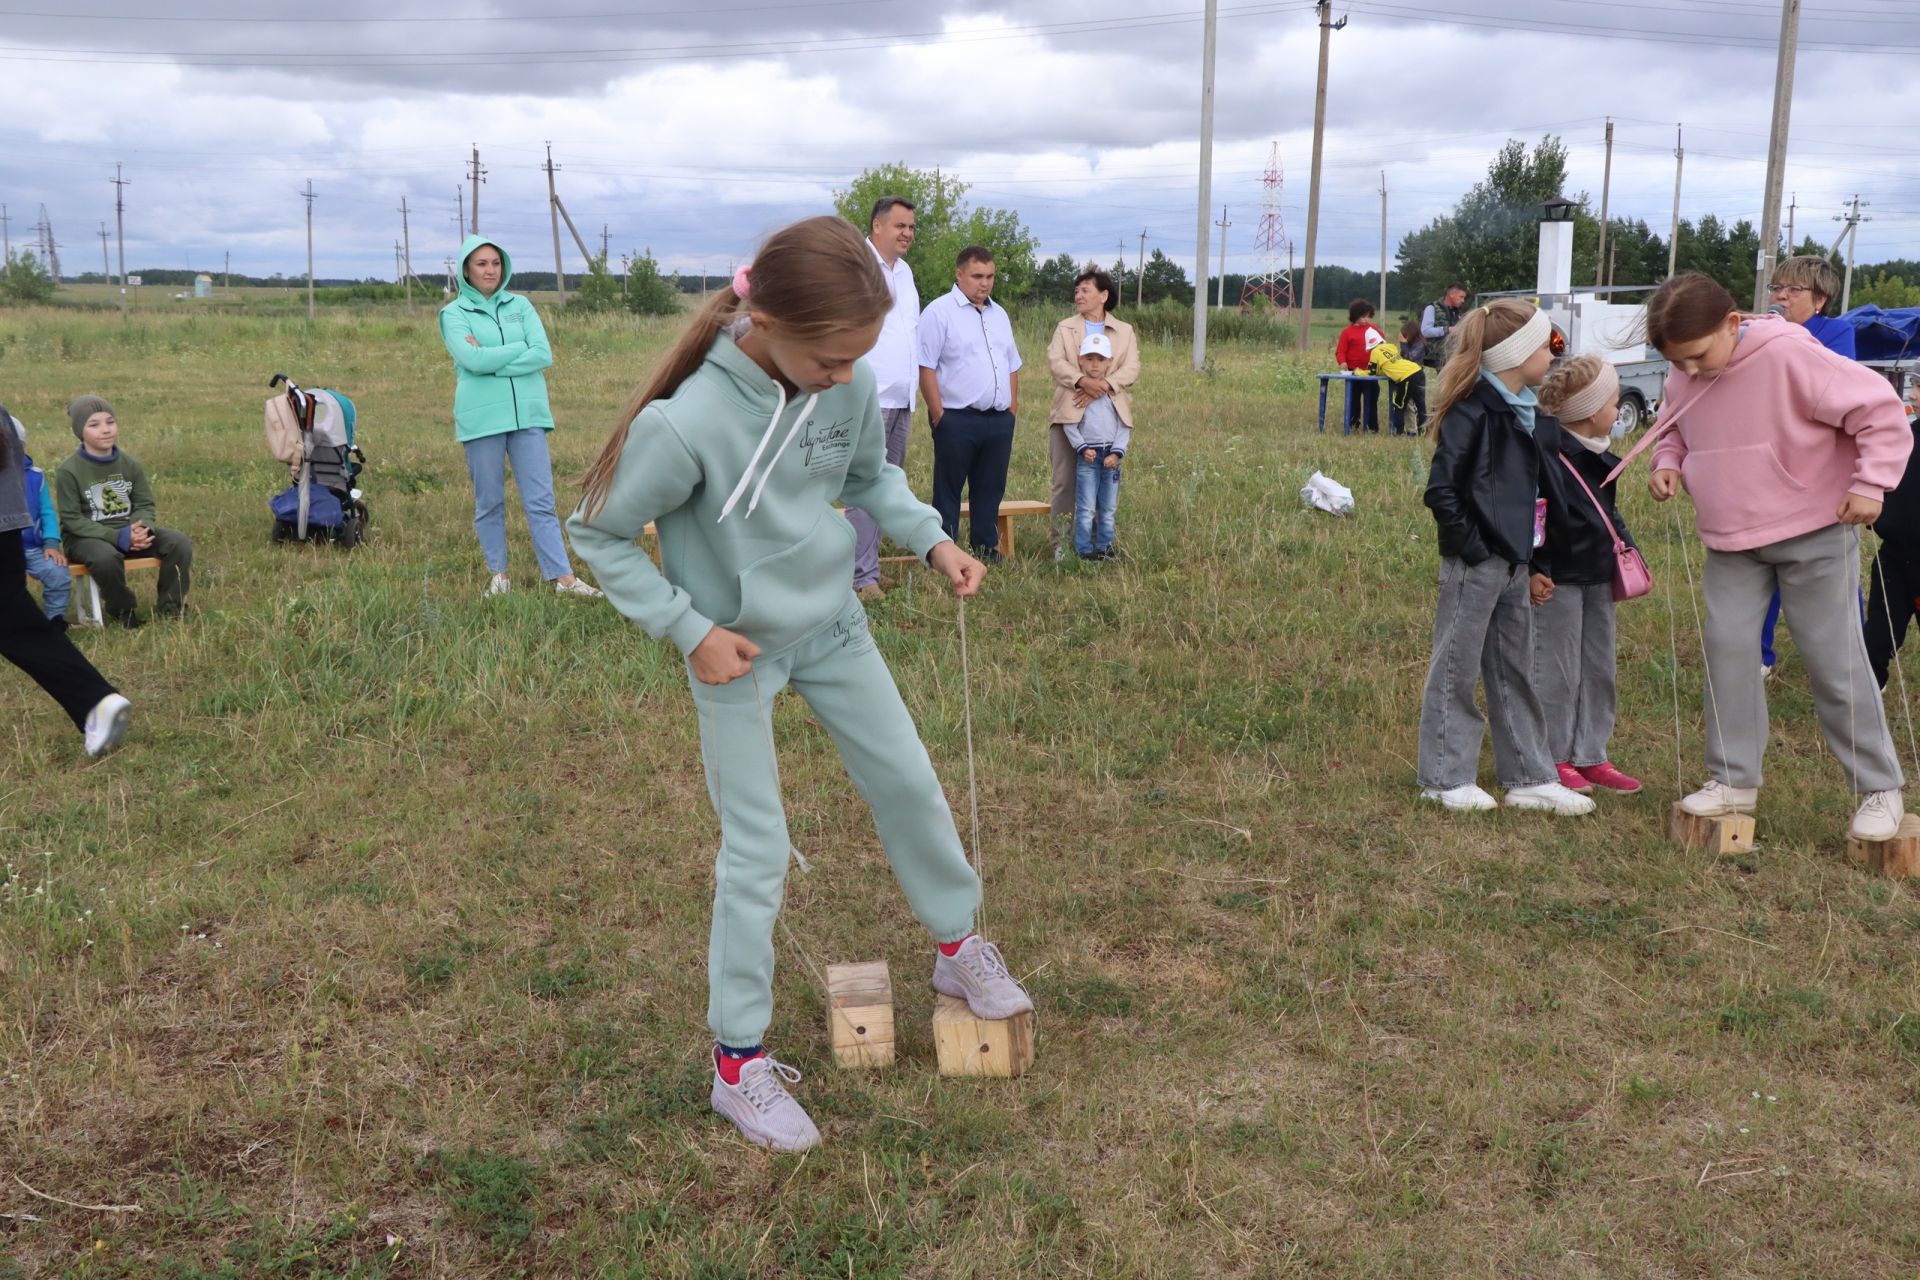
point(742, 281)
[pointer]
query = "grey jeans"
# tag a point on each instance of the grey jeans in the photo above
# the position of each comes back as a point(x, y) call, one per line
point(1573, 671)
point(866, 534)
point(1483, 624)
point(1818, 576)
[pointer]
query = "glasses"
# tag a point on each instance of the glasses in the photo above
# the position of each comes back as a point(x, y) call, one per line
point(1788, 288)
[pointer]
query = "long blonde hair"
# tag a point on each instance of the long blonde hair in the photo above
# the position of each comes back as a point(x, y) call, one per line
point(816, 277)
point(1481, 328)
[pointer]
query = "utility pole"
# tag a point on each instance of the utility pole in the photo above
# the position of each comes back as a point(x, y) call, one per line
point(553, 212)
point(606, 242)
point(1851, 234)
point(6, 232)
point(106, 268)
point(1792, 208)
point(478, 176)
point(1606, 189)
point(1140, 272)
point(406, 252)
point(308, 193)
point(1220, 297)
point(1383, 246)
point(1205, 206)
point(226, 271)
point(120, 228)
point(1327, 27)
point(460, 202)
point(1679, 163)
point(1777, 150)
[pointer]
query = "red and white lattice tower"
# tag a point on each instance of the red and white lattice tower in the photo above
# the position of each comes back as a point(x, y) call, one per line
point(1271, 278)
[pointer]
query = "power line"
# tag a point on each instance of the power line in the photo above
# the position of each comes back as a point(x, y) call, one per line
point(225, 20)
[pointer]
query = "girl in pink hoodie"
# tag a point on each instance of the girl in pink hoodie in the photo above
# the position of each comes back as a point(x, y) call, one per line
point(1785, 449)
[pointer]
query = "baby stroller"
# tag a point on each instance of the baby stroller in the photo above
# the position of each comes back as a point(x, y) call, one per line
point(312, 432)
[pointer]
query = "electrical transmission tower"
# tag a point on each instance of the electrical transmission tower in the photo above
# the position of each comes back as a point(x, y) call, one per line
point(1271, 278)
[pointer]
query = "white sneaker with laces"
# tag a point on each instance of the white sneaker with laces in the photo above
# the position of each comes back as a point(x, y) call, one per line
point(1550, 797)
point(1878, 817)
point(107, 724)
point(977, 973)
point(499, 585)
point(1717, 799)
point(762, 1109)
point(1462, 799)
point(577, 588)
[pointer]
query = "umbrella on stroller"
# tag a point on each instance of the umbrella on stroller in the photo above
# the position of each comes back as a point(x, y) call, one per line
point(312, 431)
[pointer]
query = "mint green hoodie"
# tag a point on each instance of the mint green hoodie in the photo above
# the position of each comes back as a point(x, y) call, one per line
point(739, 484)
point(498, 385)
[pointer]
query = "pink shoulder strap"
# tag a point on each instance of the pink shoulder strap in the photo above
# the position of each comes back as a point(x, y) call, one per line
point(1597, 504)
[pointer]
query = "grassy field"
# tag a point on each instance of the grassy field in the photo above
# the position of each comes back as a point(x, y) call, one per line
point(377, 951)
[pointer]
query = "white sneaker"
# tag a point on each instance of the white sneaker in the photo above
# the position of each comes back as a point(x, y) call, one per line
point(1766, 672)
point(1717, 799)
point(1465, 799)
point(107, 724)
point(577, 588)
point(977, 973)
point(762, 1109)
point(499, 585)
point(1878, 817)
point(1550, 797)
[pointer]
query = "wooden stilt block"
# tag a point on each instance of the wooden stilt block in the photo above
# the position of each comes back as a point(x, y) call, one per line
point(860, 1013)
point(970, 1046)
point(1723, 836)
point(1899, 856)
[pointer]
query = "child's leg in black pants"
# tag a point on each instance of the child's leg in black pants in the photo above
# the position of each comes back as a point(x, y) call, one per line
point(1889, 609)
point(32, 643)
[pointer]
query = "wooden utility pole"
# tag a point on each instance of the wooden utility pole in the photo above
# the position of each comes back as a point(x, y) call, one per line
point(1777, 150)
point(406, 253)
point(606, 242)
point(1679, 163)
point(1606, 189)
point(106, 268)
point(226, 271)
point(1792, 208)
point(553, 212)
point(1220, 297)
point(478, 176)
point(120, 228)
point(1383, 246)
point(460, 203)
point(1140, 272)
point(308, 193)
point(1327, 27)
point(1205, 207)
point(6, 233)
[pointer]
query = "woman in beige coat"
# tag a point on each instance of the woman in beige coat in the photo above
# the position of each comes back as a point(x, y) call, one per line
point(1073, 391)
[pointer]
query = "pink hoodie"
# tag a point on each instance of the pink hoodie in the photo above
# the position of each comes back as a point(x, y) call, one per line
point(1780, 437)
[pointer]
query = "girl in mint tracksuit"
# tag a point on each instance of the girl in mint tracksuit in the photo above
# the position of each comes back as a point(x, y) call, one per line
point(761, 417)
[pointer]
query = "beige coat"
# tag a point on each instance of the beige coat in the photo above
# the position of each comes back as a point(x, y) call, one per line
point(1063, 362)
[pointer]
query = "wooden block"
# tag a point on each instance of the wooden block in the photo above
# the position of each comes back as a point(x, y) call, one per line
point(860, 1013)
point(1724, 836)
point(1898, 857)
point(970, 1046)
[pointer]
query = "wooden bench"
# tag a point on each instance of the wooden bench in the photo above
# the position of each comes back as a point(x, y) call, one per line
point(89, 600)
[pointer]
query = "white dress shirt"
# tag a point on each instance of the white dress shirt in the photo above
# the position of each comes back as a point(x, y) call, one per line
point(970, 350)
point(896, 356)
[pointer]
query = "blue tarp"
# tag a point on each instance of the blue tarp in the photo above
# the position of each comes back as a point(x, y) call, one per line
point(1879, 334)
point(323, 509)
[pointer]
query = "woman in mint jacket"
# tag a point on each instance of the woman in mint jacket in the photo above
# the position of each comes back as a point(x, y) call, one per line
point(500, 412)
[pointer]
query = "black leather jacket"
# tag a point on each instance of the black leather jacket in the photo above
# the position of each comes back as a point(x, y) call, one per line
point(1899, 522)
point(1485, 478)
point(1577, 541)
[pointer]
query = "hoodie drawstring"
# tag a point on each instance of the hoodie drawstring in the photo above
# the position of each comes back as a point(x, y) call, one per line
point(773, 425)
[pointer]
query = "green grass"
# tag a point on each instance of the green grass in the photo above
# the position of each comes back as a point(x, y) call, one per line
point(377, 951)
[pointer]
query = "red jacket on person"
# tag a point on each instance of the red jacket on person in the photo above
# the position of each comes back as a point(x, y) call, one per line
point(1352, 349)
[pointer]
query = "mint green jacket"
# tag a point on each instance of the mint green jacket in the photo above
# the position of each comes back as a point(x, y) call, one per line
point(498, 384)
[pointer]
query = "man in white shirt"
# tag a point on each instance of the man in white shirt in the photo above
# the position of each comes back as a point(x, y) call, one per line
point(895, 360)
point(970, 379)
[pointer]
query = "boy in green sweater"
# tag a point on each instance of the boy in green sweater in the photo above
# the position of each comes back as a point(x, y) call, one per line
point(107, 514)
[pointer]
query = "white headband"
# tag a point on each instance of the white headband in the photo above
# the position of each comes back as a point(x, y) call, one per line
point(1519, 345)
point(1589, 400)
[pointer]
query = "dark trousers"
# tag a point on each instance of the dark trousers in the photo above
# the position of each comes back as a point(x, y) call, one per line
point(1363, 398)
point(1404, 395)
point(1889, 609)
point(971, 449)
point(108, 566)
point(33, 643)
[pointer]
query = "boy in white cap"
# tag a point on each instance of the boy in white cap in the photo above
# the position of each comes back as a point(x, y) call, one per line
point(1099, 441)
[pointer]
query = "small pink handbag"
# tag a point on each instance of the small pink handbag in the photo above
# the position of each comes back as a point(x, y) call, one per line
point(1631, 577)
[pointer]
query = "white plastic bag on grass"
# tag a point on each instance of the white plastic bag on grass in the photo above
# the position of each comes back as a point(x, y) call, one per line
point(1326, 494)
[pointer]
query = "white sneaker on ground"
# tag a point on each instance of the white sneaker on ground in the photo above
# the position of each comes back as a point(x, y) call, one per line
point(1550, 797)
point(1717, 799)
point(1464, 799)
point(1878, 817)
point(1766, 672)
point(762, 1109)
point(577, 588)
point(107, 724)
point(977, 973)
point(499, 585)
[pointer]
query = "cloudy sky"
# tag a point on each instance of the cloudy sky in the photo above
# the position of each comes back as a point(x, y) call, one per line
point(694, 127)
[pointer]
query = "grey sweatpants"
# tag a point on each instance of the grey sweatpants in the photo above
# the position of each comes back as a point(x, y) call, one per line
point(1483, 623)
point(1818, 575)
point(1573, 671)
point(866, 534)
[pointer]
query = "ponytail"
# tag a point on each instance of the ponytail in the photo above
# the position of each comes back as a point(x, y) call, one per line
point(1482, 327)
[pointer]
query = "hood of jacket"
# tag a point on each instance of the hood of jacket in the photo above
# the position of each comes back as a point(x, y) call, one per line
point(470, 295)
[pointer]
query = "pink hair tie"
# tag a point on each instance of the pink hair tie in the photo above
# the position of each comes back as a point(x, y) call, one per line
point(741, 281)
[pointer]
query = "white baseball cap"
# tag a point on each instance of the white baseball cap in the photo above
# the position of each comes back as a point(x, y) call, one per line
point(1096, 344)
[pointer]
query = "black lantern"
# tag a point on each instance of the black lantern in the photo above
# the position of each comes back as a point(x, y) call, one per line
point(1558, 209)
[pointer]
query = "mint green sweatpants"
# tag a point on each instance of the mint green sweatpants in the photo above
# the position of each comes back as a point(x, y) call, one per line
point(840, 673)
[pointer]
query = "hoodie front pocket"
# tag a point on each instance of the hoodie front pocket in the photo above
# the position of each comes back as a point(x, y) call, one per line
point(786, 596)
point(1738, 489)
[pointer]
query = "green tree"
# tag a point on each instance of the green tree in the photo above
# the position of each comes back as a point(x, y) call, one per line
point(23, 279)
point(1164, 278)
point(1490, 239)
point(947, 224)
point(1053, 279)
point(1884, 290)
point(648, 292)
point(599, 291)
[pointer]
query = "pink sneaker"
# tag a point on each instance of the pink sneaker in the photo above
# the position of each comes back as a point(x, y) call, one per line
point(1571, 779)
point(1605, 775)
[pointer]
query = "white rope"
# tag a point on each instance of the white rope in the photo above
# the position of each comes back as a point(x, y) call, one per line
point(1706, 662)
point(973, 786)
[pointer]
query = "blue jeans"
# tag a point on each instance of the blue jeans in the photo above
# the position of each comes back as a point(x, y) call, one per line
point(487, 460)
point(56, 584)
point(1096, 489)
